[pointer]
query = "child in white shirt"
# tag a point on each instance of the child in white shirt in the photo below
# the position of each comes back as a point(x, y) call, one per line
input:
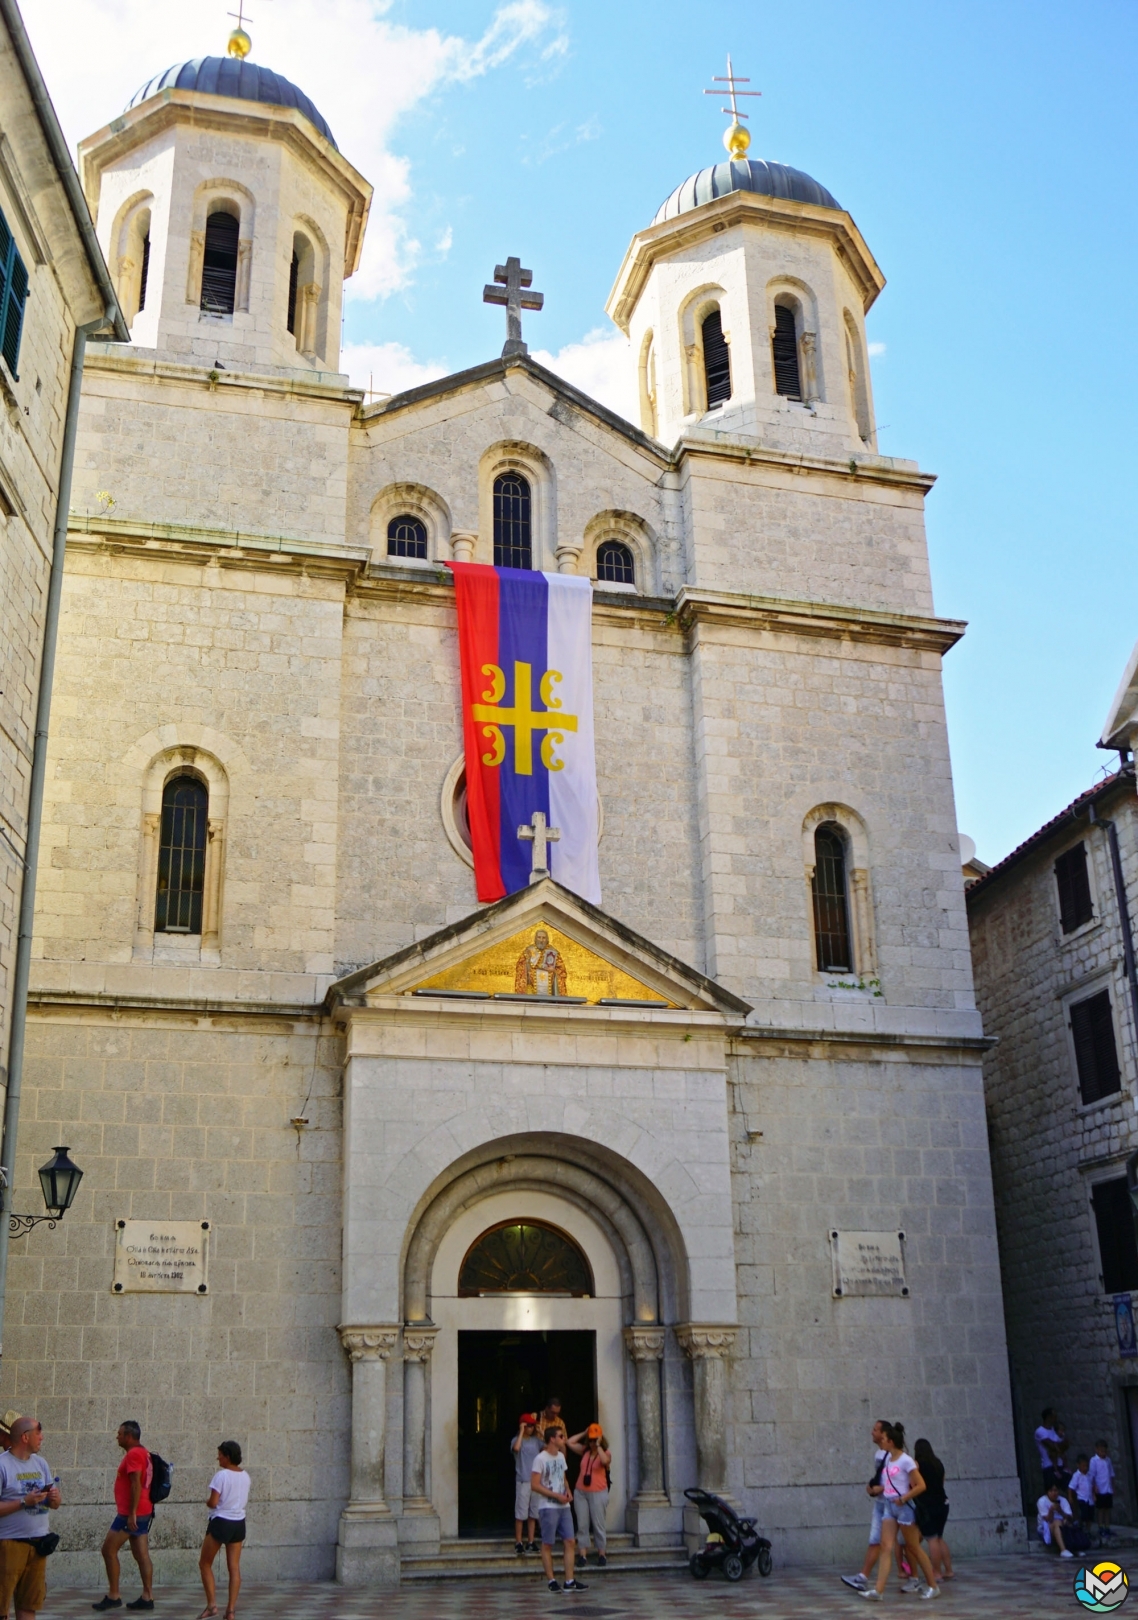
point(1102, 1479)
point(1081, 1490)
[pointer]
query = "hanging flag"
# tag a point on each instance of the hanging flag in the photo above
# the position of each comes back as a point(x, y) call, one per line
point(526, 651)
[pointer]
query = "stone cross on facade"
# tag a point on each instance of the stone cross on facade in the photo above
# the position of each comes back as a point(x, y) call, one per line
point(510, 280)
point(540, 834)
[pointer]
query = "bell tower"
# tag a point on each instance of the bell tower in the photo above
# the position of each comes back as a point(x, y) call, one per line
point(744, 302)
point(228, 216)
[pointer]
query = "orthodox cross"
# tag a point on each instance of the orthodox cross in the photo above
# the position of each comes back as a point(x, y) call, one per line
point(492, 715)
point(540, 835)
point(509, 281)
point(736, 139)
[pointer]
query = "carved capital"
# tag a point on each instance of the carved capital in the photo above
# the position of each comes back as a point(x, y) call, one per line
point(707, 1340)
point(368, 1343)
point(462, 545)
point(418, 1342)
point(645, 1343)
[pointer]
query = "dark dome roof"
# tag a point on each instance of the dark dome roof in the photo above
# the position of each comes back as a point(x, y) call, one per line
point(229, 76)
point(744, 174)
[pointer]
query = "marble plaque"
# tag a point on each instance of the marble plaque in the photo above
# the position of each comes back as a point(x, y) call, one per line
point(868, 1263)
point(161, 1257)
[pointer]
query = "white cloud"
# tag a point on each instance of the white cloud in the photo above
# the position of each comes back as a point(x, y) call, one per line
point(387, 368)
point(601, 366)
point(445, 242)
point(362, 71)
point(876, 349)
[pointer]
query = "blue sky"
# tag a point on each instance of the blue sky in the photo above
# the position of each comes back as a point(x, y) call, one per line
point(985, 150)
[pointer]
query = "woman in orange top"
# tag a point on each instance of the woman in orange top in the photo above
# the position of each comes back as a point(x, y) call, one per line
point(591, 1492)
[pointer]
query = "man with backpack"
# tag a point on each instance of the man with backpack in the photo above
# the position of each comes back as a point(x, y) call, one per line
point(132, 1520)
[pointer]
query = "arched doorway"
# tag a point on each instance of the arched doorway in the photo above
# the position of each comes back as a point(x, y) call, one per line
point(527, 1296)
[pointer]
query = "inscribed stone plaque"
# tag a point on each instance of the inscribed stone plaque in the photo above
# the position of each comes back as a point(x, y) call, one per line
point(161, 1257)
point(868, 1263)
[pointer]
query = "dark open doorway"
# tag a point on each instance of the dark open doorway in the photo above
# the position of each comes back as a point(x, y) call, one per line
point(501, 1375)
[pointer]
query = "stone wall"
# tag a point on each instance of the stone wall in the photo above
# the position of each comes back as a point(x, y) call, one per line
point(1048, 1148)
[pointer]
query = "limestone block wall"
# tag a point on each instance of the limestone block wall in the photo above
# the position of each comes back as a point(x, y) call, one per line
point(831, 1136)
point(1048, 1148)
point(177, 445)
point(239, 661)
point(186, 1118)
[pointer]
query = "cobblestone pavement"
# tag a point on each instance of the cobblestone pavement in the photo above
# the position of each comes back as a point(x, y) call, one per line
point(1018, 1585)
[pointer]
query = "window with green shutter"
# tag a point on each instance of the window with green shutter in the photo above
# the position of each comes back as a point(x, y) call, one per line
point(13, 297)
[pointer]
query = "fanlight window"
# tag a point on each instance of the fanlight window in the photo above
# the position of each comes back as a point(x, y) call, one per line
point(525, 1257)
point(513, 534)
point(219, 270)
point(181, 857)
point(716, 360)
point(831, 905)
point(615, 563)
point(406, 537)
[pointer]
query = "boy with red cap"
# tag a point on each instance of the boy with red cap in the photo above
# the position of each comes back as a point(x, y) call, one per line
point(525, 1446)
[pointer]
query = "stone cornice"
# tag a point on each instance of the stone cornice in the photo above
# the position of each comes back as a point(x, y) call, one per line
point(689, 230)
point(295, 385)
point(860, 1044)
point(853, 469)
point(725, 609)
point(229, 548)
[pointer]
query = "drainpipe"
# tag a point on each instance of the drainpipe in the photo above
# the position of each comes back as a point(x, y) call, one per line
point(1123, 915)
point(35, 798)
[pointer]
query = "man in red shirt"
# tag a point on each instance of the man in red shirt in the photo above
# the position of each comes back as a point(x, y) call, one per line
point(132, 1520)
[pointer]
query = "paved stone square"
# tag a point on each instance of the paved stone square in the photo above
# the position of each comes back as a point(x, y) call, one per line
point(1018, 1585)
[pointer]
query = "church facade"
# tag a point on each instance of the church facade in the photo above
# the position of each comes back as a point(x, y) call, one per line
point(451, 1156)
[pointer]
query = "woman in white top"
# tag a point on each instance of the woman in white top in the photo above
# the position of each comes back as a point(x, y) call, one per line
point(900, 1482)
point(228, 1495)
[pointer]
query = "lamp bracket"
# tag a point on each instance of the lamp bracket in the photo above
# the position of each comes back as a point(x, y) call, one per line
point(21, 1225)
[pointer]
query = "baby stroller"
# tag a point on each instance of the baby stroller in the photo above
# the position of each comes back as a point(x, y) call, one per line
point(733, 1544)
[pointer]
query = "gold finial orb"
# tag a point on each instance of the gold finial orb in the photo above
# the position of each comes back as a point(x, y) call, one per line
point(239, 44)
point(736, 139)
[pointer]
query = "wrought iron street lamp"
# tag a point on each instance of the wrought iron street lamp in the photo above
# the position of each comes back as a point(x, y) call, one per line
point(60, 1179)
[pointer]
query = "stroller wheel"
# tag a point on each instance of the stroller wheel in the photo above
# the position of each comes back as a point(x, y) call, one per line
point(733, 1567)
point(699, 1567)
point(764, 1561)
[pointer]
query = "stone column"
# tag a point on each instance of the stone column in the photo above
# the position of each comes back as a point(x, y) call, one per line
point(568, 556)
point(709, 1345)
point(367, 1553)
point(418, 1342)
point(462, 545)
point(650, 1515)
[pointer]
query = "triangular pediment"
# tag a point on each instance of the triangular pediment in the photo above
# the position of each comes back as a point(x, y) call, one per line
point(542, 944)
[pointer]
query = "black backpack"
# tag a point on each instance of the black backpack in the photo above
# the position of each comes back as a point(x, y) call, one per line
point(162, 1477)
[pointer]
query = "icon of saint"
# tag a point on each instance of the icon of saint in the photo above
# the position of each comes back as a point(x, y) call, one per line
point(541, 969)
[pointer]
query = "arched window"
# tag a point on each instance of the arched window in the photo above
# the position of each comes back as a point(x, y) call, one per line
point(181, 857)
point(525, 1257)
point(406, 537)
point(219, 270)
point(293, 282)
point(615, 563)
point(831, 901)
point(513, 532)
point(787, 377)
point(716, 360)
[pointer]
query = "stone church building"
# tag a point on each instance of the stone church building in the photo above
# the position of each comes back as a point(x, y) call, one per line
point(266, 998)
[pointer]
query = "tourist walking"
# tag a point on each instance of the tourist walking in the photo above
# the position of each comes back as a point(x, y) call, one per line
point(554, 1515)
point(133, 1517)
point(525, 1446)
point(591, 1493)
point(228, 1496)
point(875, 1491)
point(1102, 1477)
point(900, 1482)
point(27, 1490)
point(931, 1509)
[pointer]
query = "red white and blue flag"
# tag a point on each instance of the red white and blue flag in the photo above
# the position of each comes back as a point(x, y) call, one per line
point(526, 650)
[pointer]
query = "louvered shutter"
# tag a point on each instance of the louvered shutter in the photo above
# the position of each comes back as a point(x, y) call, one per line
point(1096, 1057)
point(13, 297)
point(1118, 1250)
point(787, 380)
point(1074, 885)
point(716, 360)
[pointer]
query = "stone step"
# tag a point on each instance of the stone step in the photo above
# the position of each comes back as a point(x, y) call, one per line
point(467, 1559)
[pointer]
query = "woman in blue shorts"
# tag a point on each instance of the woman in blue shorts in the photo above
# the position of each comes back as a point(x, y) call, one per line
point(901, 1481)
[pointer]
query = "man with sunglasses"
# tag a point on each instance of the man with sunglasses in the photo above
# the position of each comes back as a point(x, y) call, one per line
point(27, 1491)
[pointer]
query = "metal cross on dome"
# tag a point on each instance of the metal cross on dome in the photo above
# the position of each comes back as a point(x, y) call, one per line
point(510, 282)
point(736, 139)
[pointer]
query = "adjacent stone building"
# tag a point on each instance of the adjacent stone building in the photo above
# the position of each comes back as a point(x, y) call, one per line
point(1052, 946)
point(52, 279)
point(731, 1193)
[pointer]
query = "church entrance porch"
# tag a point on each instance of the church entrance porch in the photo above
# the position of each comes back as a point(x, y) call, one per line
point(501, 1375)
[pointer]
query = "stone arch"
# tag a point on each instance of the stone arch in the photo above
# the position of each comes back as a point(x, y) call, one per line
point(636, 534)
point(230, 197)
point(801, 300)
point(692, 313)
point(310, 314)
point(856, 835)
point(858, 371)
point(536, 467)
point(129, 234)
point(645, 1235)
point(418, 501)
